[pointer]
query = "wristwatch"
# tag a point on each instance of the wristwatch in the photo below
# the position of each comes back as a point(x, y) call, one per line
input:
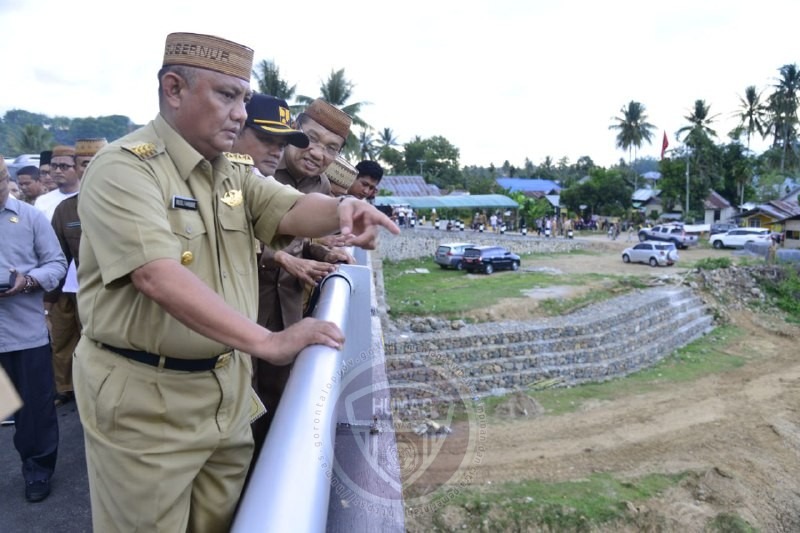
point(30, 284)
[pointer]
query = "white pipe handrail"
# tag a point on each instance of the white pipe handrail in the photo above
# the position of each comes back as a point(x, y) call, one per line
point(289, 488)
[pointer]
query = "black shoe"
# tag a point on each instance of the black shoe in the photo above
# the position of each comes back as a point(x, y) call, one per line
point(36, 491)
point(64, 398)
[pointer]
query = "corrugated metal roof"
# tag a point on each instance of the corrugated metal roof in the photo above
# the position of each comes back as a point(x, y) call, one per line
point(408, 186)
point(528, 185)
point(449, 202)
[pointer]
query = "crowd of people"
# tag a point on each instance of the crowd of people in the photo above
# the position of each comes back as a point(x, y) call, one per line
point(162, 282)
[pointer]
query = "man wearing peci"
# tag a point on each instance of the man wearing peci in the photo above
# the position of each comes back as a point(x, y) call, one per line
point(168, 297)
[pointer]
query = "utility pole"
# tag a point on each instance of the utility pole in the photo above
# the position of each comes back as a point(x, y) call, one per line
point(421, 162)
point(686, 213)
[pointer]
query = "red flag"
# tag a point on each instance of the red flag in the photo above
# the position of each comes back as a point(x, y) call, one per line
point(664, 145)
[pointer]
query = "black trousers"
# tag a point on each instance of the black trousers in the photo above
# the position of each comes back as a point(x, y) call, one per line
point(36, 422)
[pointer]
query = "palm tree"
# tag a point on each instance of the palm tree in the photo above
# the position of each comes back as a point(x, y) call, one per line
point(31, 139)
point(633, 129)
point(386, 140)
point(753, 114)
point(699, 128)
point(366, 145)
point(269, 80)
point(337, 91)
point(783, 105)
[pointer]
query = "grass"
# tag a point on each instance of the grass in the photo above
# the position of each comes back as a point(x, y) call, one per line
point(418, 287)
point(602, 500)
point(565, 506)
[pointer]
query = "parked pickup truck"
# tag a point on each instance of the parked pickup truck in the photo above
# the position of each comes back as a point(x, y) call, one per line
point(673, 233)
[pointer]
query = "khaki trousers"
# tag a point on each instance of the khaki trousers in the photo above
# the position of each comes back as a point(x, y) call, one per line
point(167, 451)
point(65, 331)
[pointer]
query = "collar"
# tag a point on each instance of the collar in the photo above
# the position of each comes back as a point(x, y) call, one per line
point(183, 155)
point(12, 204)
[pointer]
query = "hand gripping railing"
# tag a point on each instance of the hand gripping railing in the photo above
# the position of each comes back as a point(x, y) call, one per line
point(289, 488)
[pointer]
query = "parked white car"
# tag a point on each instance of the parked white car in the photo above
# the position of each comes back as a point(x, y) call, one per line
point(654, 253)
point(737, 238)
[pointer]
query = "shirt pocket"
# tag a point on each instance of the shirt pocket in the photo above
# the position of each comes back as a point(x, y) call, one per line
point(189, 230)
point(236, 238)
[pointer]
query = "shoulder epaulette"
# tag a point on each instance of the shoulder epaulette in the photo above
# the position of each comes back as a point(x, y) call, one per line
point(242, 159)
point(143, 150)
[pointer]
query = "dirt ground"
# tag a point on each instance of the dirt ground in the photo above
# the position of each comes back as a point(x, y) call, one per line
point(737, 432)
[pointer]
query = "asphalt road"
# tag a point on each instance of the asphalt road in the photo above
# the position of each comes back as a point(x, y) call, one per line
point(67, 508)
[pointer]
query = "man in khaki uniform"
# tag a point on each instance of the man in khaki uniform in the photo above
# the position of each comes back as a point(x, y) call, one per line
point(65, 325)
point(168, 297)
point(284, 273)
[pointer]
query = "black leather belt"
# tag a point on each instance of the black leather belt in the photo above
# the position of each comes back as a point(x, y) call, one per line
point(171, 363)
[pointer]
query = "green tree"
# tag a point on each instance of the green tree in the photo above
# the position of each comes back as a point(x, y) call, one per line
point(268, 77)
point(783, 105)
point(31, 139)
point(366, 145)
point(440, 158)
point(632, 130)
point(606, 193)
point(753, 114)
point(386, 140)
point(337, 91)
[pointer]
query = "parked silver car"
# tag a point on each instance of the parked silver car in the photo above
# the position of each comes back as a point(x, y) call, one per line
point(450, 254)
point(654, 253)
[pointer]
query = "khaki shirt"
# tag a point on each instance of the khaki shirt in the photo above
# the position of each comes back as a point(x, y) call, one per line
point(281, 294)
point(149, 196)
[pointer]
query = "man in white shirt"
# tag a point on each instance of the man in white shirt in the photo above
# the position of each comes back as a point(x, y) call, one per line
point(66, 175)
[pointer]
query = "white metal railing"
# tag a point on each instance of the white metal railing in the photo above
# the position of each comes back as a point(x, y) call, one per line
point(289, 488)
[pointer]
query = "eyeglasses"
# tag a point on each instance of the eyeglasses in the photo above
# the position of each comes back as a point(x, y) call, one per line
point(329, 149)
point(63, 167)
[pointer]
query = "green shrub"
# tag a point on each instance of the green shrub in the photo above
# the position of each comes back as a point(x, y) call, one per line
point(713, 263)
point(785, 290)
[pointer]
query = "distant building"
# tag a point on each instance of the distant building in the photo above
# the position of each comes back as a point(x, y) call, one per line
point(717, 208)
point(530, 187)
point(408, 186)
point(647, 200)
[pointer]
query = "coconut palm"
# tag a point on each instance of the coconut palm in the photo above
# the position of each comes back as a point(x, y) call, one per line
point(783, 105)
point(31, 139)
point(366, 145)
point(269, 80)
point(337, 91)
point(699, 128)
point(386, 139)
point(753, 114)
point(632, 129)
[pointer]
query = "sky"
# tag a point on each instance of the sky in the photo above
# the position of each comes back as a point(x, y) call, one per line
point(499, 79)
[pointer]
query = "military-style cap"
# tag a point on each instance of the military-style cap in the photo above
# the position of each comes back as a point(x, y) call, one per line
point(44, 157)
point(329, 117)
point(341, 173)
point(63, 150)
point(209, 52)
point(89, 147)
point(272, 115)
point(3, 168)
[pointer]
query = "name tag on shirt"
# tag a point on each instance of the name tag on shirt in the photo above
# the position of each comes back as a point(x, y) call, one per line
point(182, 202)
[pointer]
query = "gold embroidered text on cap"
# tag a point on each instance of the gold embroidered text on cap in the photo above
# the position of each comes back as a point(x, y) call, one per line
point(329, 117)
point(209, 52)
point(341, 173)
point(89, 147)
